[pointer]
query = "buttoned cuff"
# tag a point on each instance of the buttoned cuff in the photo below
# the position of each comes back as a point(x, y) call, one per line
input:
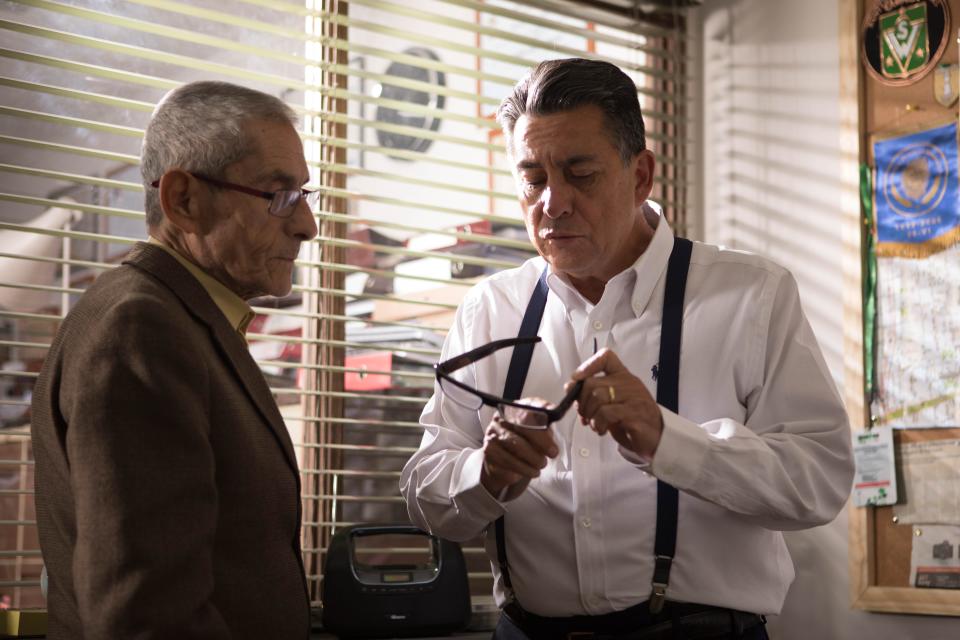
point(633, 458)
point(682, 451)
point(470, 495)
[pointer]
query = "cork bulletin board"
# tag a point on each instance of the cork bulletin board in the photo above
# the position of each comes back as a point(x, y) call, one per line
point(893, 539)
point(887, 106)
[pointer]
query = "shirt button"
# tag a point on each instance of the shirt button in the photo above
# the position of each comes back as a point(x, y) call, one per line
point(597, 325)
point(584, 452)
point(586, 522)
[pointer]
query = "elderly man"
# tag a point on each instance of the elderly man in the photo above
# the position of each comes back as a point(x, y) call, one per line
point(658, 511)
point(167, 490)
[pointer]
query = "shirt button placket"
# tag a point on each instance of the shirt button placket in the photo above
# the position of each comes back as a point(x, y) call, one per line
point(588, 532)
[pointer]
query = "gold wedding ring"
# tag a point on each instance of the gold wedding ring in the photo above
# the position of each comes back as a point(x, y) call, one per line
point(613, 394)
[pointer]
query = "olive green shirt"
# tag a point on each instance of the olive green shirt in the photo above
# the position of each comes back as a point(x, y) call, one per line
point(238, 313)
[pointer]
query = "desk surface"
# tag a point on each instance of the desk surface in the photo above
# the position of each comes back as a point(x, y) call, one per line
point(468, 635)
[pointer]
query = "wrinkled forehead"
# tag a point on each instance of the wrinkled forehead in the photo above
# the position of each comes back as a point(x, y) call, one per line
point(561, 139)
point(275, 154)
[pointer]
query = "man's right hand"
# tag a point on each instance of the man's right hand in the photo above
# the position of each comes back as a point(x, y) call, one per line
point(512, 456)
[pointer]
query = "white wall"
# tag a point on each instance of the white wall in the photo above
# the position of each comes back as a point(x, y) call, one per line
point(772, 167)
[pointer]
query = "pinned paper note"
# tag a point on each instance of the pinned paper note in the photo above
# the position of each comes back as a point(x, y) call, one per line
point(876, 480)
point(931, 482)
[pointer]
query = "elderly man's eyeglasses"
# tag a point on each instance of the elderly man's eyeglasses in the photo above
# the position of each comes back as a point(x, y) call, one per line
point(282, 203)
point(519, 413)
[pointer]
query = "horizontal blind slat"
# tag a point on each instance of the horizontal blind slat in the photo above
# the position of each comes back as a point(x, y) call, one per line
point(340, 293)
point(392, 275)
point(61, 261)
point(510, 36)
point(87, 69)
point(154, 55)
point(453, 257)
point(366, 423)
point(369, 197)
point(601, 16)
point(75, 94)
point(586, 33)
point(71, 177)
point(71, 149)
point(399, 374)
point(81, 123)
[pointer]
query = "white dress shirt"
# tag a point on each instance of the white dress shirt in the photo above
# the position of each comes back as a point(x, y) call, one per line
point(761, 443)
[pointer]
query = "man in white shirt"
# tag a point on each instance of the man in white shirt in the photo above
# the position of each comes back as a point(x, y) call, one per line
point(747, 434)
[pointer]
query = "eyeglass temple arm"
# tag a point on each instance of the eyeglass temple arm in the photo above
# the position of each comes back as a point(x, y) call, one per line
point(557, 412)
point(458, 362)
point(267, 195)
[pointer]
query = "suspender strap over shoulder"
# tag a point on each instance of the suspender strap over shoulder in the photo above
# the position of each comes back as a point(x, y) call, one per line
point(513, 388)
point(668, 396)
point(529, 326)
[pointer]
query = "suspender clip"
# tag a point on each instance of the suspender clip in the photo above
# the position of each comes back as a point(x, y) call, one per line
point(661, 578)
point(507, 586)
point(657, 597)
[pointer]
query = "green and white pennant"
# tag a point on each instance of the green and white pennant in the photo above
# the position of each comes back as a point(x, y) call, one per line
point(904, 41)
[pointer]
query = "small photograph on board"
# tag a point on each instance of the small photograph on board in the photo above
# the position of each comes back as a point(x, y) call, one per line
point(934, 560)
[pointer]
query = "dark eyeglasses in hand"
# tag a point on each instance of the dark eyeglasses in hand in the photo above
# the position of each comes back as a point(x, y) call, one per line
point(282, 203)
point(531, 416)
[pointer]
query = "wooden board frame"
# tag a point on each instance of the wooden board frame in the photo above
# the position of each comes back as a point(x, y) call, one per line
point(867, 590)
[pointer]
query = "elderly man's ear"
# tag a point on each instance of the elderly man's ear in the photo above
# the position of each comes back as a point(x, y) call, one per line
point(183, 199)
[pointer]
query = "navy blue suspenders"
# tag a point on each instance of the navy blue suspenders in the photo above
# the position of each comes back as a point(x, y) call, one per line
point(668, 384)
point(668, 395)
point(516, 376)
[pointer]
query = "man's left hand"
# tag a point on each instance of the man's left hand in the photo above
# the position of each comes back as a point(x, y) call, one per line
point(619, 403)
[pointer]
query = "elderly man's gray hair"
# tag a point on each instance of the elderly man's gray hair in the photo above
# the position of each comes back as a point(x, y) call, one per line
point(199, 127)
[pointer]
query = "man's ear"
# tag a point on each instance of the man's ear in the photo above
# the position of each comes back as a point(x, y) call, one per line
point(181, 197)
point(644, 166)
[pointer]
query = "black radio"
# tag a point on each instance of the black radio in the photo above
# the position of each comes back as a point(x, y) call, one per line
point(393, 581)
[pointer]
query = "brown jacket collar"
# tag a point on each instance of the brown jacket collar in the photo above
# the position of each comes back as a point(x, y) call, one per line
point(165, 268)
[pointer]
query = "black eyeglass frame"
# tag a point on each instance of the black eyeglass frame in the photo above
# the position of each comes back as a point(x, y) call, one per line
point(445, 368)
point(274, 209)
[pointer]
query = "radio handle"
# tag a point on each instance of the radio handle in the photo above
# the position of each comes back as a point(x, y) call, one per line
point(389, 529)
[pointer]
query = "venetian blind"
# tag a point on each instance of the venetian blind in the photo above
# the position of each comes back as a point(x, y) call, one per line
point(397, 101)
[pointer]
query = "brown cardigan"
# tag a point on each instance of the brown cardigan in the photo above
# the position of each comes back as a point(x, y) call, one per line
point(167, 490)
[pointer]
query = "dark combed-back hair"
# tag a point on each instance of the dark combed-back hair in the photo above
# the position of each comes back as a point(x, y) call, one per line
point(555, 86)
